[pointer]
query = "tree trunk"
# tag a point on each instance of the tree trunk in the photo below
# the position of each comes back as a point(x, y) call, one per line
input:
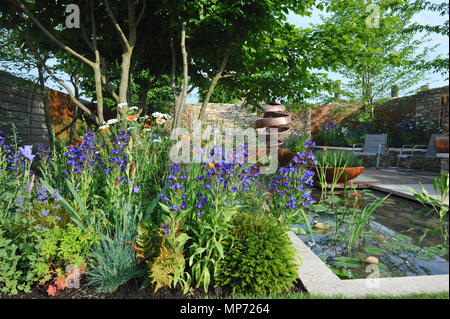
point(212, 85)
point(75, 108)
point(181, 98)
point(124, 80)
point(45, 100)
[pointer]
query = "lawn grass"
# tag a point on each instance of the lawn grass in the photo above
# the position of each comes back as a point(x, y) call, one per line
point(441, 295)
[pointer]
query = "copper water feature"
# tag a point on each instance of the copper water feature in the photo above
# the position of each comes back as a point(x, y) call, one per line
point(274, 117)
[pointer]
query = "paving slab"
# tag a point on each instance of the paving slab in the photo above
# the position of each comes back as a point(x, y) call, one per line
point(400, 190)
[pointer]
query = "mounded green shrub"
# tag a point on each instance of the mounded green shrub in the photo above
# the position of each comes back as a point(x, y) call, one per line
point(259, 258)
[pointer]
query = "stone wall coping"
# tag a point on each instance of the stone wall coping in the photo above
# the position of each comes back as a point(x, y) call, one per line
point(391, 149)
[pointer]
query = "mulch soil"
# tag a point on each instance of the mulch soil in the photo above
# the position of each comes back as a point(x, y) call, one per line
point(132, 290)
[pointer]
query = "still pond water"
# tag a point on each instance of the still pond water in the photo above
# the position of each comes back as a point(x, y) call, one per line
point(393, 235)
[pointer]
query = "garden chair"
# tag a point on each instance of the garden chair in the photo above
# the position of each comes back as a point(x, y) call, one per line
point(374, 145)
point(417, 151)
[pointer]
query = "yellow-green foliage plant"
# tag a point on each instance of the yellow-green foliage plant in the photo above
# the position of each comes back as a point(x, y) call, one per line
point(259, 257)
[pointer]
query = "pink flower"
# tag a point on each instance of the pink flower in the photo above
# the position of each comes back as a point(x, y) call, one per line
point(51, 290)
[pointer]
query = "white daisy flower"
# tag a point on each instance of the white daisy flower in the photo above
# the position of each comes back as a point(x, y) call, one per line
point(112, 121)
point(134, 108)
point(160, 120)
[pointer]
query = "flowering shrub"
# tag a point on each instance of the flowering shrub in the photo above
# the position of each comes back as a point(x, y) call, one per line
point(200, 202)
point(333, 135)
point(290, 190)
point(415, 130)
point(57, 192)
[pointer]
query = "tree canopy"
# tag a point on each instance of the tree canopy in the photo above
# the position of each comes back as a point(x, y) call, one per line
point(153, 53)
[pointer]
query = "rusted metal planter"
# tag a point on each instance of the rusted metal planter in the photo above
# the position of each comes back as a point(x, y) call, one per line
point(349, 173)
point(441, 144)
point(285, 156)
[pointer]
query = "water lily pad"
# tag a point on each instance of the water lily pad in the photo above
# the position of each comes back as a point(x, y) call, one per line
point(437, 250)
point(347, 262)
point(411, 247)
point(367, 234)
point(343, 273)
point(426, 257)
point(374, 250)
point(319, 208)
point(382, 266)
point(394, 245)
point(334, 200)
point(298, 230)
point(403, 237)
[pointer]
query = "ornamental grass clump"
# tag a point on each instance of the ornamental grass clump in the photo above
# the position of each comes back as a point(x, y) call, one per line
point(113, 261)
point(337, 159)
point(259, 257)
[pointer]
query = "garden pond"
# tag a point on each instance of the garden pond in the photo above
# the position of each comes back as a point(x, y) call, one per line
point(401, 233)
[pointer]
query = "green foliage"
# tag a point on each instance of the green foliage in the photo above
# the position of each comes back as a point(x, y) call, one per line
point(220, 95)
point(64, 247)
point(414, 129)
point(338, 136)
point(440, 186)
point(9, 273)
point(168, 267)
point(350, 214)
point(438, 206)
point(20, 243)
point(337, 159)
point(259, 257)
point(378, 54)
point(296, 143)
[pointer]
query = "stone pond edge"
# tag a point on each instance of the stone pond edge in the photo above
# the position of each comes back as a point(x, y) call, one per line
point(318, 279)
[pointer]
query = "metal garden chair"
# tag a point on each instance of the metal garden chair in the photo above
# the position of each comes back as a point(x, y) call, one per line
point(418, 151)
point(374, 145)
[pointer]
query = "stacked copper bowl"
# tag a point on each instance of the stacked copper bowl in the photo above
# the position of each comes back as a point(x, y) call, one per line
point(274, 117)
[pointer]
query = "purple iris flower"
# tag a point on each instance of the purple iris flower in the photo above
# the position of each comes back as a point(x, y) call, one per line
point(26, 151)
